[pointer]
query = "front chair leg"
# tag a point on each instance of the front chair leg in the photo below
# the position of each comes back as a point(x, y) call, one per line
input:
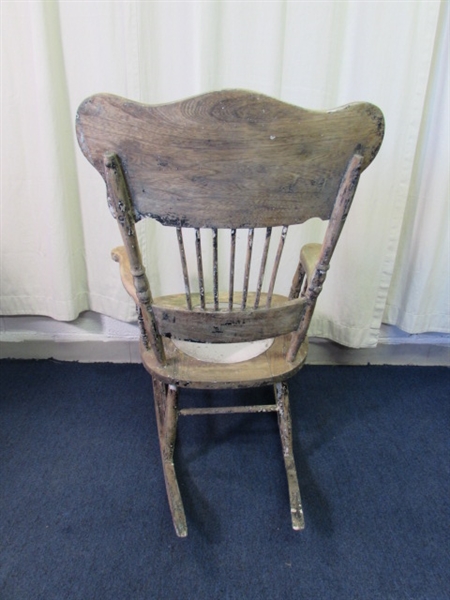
point(167, 417)
point(285, 426)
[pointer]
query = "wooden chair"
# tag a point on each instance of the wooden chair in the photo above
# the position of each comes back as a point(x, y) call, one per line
point(226, 161)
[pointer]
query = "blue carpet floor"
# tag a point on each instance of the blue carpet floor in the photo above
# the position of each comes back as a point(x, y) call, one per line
point(83, 510)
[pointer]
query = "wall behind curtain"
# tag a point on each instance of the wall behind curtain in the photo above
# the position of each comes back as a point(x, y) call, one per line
point(56, 230)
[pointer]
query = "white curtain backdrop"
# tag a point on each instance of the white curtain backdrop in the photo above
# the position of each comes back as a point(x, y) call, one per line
point(392, 263)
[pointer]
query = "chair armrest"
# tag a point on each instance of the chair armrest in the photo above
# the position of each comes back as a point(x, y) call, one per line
point(309, 257)
point(119, 255)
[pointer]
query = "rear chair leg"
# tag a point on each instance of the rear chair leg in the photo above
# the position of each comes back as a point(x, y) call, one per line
point(167, 416)
point(285, 426)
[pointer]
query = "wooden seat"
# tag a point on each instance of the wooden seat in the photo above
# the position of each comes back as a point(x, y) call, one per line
point(231, 162)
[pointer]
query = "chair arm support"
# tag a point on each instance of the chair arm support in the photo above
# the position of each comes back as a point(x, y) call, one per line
point(119, 255)
point(309, 257)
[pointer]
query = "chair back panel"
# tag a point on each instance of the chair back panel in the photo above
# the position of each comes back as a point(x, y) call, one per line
point(229, 159)
point(175, 320)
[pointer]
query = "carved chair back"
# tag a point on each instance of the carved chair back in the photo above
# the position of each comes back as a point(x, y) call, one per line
point(228, 160)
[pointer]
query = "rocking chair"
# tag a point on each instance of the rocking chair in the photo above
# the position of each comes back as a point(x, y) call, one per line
point(231, 162)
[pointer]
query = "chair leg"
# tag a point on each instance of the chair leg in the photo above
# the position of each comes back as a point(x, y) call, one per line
point(285, 426)
point(167, 417)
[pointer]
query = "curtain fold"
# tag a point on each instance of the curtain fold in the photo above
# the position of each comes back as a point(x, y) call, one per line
point(42, 254)
point(419, 296)
point(392, 262)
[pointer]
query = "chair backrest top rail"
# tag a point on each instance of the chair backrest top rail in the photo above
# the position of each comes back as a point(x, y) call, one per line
point(232, 159)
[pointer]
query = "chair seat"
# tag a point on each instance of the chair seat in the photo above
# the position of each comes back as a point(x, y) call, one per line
point(185, 371)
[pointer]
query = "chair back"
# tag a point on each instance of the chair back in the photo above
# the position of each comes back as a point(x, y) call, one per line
point(227, 161)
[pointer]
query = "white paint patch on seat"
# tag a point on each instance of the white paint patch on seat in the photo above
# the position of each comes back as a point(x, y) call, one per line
point(224, 353)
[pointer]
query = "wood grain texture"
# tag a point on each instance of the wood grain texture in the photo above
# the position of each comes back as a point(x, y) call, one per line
point(223, 326)
point(166, 409)
point(227, 160)
point(285, 427)
point(182, 370)
point(196, 324)
point(231, 159)
point(121, 205)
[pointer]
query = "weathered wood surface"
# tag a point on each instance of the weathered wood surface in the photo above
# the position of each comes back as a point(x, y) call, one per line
point(309, 257)
point(194, 323)
point(276, 266)
point(285, 427)
point(184, 267)
point(224, 326)
point(229, 159)
point(185, 371)
point(121, 205)
point(262, 268)
point(248, 262)
point(166, 409)
point(232, 269)
point(228, 410)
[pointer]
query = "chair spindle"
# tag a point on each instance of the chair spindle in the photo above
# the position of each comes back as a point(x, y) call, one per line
point(215, 269)
point(276, 265)
point(297, 281)
point(201, 281)
point(248, 260)
point(262, 269)
point(232, 263)
point(184, 266)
